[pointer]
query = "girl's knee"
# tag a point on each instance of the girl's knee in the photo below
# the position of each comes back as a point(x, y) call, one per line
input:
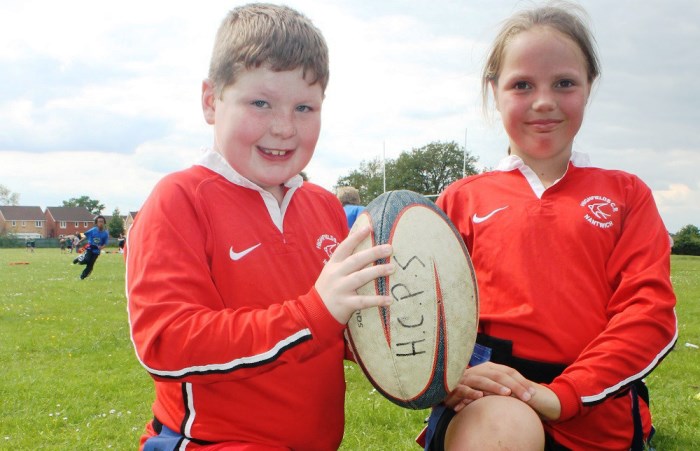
point(495, 422)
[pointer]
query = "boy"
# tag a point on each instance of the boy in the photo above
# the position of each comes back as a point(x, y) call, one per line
point(241, 323)
point(97, 238)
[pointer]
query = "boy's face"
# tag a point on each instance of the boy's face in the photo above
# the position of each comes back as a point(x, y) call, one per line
point(266, 124)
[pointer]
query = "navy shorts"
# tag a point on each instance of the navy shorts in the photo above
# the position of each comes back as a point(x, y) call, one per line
point(167, 439)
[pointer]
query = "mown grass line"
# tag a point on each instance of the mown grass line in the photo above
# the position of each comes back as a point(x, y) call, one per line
point(69, 379)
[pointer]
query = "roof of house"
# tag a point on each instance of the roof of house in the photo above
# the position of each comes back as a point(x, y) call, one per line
point(70, 214)
point(108, 218)
point(17, 213)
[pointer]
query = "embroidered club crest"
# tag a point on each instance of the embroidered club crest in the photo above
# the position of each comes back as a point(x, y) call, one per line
point(599, 211)
point(327, 244)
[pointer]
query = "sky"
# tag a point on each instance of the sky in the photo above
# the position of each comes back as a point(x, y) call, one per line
point(103, 99)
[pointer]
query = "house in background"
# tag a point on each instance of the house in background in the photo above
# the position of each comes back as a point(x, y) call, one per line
point(23, 222)
point(129, 220)
point(108, 219)
point(63, 221)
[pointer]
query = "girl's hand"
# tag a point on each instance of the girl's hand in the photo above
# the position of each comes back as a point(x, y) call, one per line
point(489, 379)
point(345, 272)
point(545, 403)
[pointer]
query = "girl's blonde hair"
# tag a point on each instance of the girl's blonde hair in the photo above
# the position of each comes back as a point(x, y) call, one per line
point(276, 36)
point(567, 18)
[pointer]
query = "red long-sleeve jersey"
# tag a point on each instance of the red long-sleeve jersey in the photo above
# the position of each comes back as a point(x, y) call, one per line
point(223, 313)
point(578, 274)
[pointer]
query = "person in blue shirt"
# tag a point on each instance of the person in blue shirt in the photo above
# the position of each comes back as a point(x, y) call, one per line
point(350, 198)
point(97, 238)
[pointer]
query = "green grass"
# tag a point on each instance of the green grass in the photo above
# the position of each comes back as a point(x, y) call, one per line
point(675, 385)
point(69, 376)
point(69, 379)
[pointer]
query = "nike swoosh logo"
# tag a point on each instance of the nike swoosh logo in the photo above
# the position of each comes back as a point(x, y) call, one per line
point(478, 219)
point(235, 256)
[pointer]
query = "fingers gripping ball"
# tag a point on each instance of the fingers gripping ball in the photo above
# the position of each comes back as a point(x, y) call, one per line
point(415, 350)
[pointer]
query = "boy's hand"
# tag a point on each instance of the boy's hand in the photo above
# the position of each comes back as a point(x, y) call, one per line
point(345, 272)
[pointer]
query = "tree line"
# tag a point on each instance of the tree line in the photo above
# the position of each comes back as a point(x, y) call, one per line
point(428, 170)
point(687, 241)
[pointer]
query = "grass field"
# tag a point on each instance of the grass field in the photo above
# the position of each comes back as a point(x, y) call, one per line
point(69, 379)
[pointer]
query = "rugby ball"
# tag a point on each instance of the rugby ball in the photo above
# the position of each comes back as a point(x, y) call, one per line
point(415, 351)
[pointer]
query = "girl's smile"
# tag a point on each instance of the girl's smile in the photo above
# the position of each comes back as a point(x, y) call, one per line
point(541, 93)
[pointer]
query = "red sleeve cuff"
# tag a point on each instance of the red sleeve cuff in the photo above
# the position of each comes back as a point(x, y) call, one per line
point(323, 326)
point(568, 398)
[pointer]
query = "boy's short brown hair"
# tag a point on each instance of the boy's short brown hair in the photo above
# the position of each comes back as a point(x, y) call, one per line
point(276, 36)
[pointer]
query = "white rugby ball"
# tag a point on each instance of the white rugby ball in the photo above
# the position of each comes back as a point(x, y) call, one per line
point(414, 351)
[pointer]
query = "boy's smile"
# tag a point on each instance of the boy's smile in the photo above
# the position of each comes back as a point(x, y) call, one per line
point(266, 124)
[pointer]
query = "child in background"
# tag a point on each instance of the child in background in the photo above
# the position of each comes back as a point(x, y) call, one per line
point(97, 238)
point(350, 199)
point(578, 307)
point(241, 324)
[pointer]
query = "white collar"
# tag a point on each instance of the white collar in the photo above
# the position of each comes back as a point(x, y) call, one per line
point(578, 159)
point(216, 162)
point(512, 162)
point(213, 160)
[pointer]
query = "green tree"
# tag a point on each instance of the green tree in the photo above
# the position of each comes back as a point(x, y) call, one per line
point(116, 224)
point(426, 170)
point(93, 205)
point(368, 180)
point(429, 169)
point(687, 241)
point(7, 197)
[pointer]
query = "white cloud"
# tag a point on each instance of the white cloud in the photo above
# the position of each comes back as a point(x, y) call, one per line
point(117, 86)
point(677, 193)
point(679, 202)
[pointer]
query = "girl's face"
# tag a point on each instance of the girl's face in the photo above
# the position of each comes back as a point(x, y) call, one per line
point(266, 124)
point(541, 93)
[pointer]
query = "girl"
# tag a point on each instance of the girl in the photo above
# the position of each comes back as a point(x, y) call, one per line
point(578, 307)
